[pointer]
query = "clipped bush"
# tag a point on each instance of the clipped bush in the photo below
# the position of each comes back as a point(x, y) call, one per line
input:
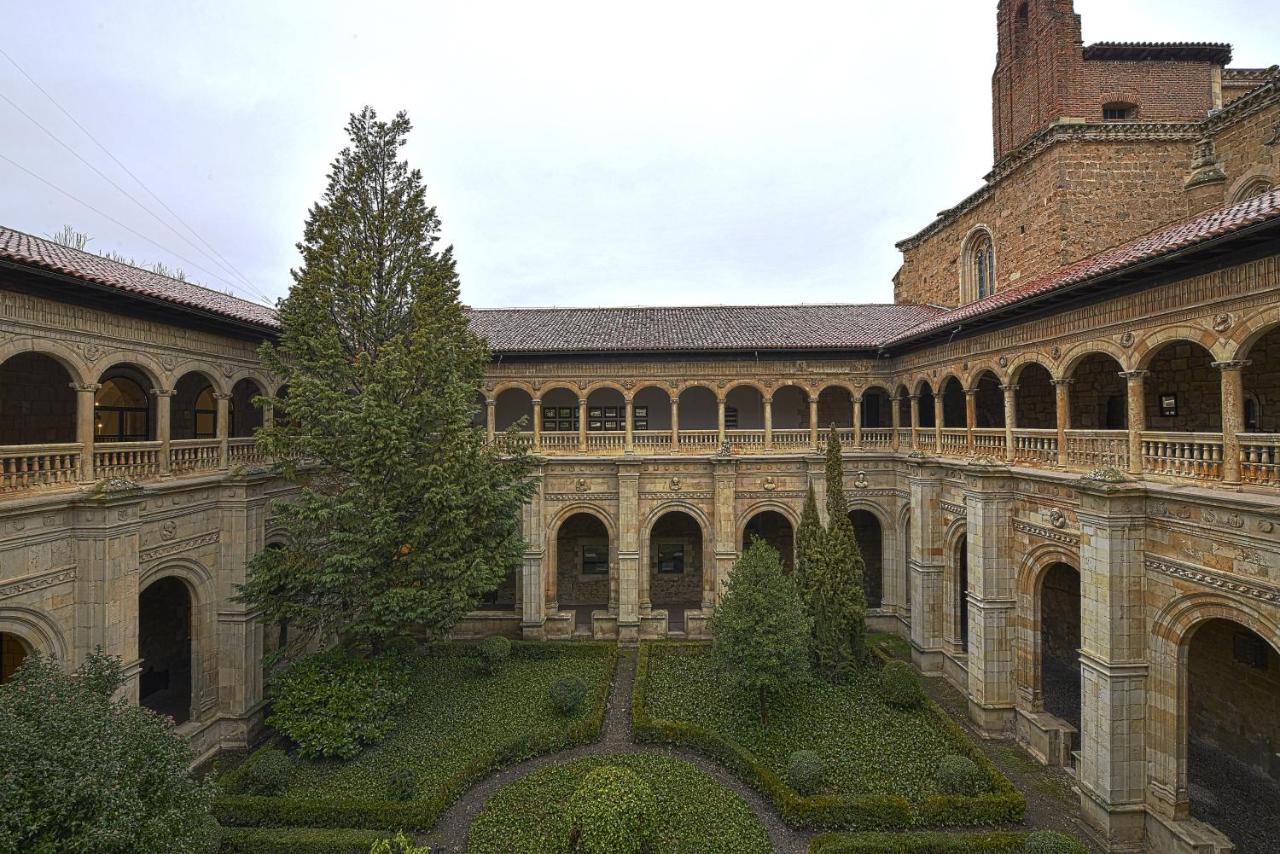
point(1052, 842)
point(567, 694)
point(333, 704)
point(611, 812)
point(900, 686)
point(401, 843)
point(402, 785)
point(494, 652)
point(806, 771)
point(268, 772)
point(959, 775)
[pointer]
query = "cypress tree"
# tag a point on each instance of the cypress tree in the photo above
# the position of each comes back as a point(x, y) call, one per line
point(839, 600)
point(810, 549)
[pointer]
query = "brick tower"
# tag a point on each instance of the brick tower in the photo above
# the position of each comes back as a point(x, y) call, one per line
point(1038, 64)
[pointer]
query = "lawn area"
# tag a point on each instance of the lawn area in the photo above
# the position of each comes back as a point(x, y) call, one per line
point(696, 815)
point(457, 726)
point(869, 747)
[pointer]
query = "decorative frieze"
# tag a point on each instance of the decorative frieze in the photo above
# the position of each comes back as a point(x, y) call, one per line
point(31, 583)
point(1050, 534)
point(178, 546)
point(953, 509)
point(579, 496)
point(1212, 578)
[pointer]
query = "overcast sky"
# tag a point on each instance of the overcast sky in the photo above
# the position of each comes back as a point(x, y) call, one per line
point(593, 153)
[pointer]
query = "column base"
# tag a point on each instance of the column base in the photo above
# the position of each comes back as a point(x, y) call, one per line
point(653, 625)
point(628, 633)
point(1123, 825)
point(534, 630)
point(1186, 836)
point(991, 721)
point(926, 660)
point(1046, 737)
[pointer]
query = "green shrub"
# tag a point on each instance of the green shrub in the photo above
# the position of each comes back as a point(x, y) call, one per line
point(296, 840)
point(960, 775)
point(268, 772)
point(402, 785)
point(918, 843)
point(806, 772)
point(567, 694)
point(398, 844)
point(611, 813)
point(1052, 842)
point(332, 704)
point(494, 652)
point(900, 686)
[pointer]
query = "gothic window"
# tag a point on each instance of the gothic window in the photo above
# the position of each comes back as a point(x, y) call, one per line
point(978, 279)
point(1119, 112)
point(1252, 190)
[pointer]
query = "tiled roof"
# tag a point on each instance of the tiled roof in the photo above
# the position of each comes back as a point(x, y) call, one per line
point(1164, 241)
point(721, 327)
point(1214, 52)
point(22, 248)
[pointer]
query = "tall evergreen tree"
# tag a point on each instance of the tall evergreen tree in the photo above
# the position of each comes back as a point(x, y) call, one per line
point(405, 516)
point(810, 549)
point(761, 630)
point(839, 601)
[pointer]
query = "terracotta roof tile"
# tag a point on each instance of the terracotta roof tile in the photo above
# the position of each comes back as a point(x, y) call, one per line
point(1215, 52)
point(22, 248)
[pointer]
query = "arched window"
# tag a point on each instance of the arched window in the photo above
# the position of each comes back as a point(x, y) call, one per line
point(121, 411)
point(1252, 190)
point(978, 279)
point(206, 415)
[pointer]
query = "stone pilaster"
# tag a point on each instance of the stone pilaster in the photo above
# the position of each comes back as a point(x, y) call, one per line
point(533, 586)
point(105, 548)
point(925, 569)
point(1112, 769)
point(989, 505)
point(628, 552)
point(725, 478)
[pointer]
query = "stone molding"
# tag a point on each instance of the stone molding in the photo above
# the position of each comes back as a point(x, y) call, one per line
point(178, 546)
point(1214, 579)
point(1044, 533)
point(953, 509)
point(31, 583)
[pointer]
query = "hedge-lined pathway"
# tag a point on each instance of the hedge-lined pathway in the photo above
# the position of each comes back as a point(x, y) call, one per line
point(450, 834)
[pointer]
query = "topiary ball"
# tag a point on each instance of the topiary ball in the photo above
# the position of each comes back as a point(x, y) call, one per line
point(1052, 842)
point(806, 772)
point(611, 812)
point(900, 686)
point(494, 652)
point(402, 785)
point(960, 775)
point(567, 693)
point(270, 772)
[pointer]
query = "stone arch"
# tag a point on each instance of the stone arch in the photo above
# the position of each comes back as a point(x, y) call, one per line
point(184, 643)
point(679, 602)
point(977, 369)
point(1252, 183)
point(955, 567)
point(1182, 369)
point(516, 385)
point(903, 576)
point(1027, 651)
point(1022, 361)
point(38, 630)
point(71, 360)
point(597, 385)
point(1152, 343)
point(214, 377)
point(835, 405)
point(553, 385)
point(732, 384)
point(157, 374)
point(888, 549)
point(775, 506)
point(552, 543)
point(1075, 354)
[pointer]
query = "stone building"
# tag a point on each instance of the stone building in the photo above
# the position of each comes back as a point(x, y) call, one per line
point(1062, 446)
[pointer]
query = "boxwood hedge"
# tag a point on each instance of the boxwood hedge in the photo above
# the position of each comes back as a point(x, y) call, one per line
point(892, 811)
point(297, 840)
point(931, 843)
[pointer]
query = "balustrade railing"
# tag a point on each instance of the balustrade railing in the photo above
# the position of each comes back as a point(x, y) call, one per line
point(191, 455)
point(745, 441)
point(1038, 447)
point(504, 439)
point(38, 466)
point(1098, 449)
point(606, 441)
point(1197, 456)
point(927, 439)
point(1260, 458)
point(651, 441)
point(699, 440)
point(128, 460)
point(904, 438)
point(876, 438)
point(791, 440)
point(955, 442)
point(989, 442)
point(844, 434)
point(560, 441)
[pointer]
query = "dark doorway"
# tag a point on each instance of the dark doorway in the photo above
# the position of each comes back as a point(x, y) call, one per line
point(164, 645)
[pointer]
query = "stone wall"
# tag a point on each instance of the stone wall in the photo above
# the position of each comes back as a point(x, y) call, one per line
point(1234, 706)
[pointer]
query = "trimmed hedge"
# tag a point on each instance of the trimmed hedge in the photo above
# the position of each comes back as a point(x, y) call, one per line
point(297, 840)
point(420, 814)
point(933, 843)
point(1003, 805)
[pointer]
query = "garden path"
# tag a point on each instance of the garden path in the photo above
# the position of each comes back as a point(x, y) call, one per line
point(450, 834)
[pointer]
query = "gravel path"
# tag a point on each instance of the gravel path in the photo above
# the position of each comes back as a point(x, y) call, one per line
point(450, 834)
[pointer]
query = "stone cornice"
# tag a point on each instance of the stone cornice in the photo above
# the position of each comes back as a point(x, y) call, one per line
point(40, 581)
point(1212, 578)
point(1050, 534)
point(178, 546)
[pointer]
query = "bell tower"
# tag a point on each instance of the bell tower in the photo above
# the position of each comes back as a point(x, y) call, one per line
point(1039, 61)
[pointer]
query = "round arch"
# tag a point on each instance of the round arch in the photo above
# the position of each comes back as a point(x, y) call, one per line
point(144, 363)
point(724, 392)
point(206, 371)
point(1077, 353)
point(606, 384)
point(551, 560)
point(1156, 341)
point(678, 596)
point(1029, 579)
point(1022, 361)
point(70, 360)
point(512, 385)
point(785, 510)
point(37, 629)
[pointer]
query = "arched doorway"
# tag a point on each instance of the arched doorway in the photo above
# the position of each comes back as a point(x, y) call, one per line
point(1060, 645)
point(961, 594)
point(676, 566)
point(775, 529)
point(164, 645)
point(870, 537)
point(1233, 733)
point(584, 563)
point(13, 651)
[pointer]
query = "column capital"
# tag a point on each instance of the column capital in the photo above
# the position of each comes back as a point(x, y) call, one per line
point(971, 392)
point(1133, 375)
point(582, 401)
point(857, 398)
point(85, 387)
point(491, 402)
point(914, 396)
point(1233, 365)
point(218, 395)
point(536, 401)
point(1065, 381)
point(1009, 388)
point(164, 392)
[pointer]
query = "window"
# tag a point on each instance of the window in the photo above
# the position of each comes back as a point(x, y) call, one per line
point(1119, 112)
point(559, 419)
point(978, 279)
point(122, 411)
point(670, 558)
point(206, 415)
point(731, 418)
point(595, 559)
point(1252, 190)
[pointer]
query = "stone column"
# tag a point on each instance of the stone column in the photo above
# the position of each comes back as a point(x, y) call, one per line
point(537, 424)
point(84, 426)
point(857, 423)
point(490, 418)
point(1062, 388)
point(896, 419)
point(970, 418)
point(989, 505)
point(938, 421)
point(1113, 638)
point(721, 436)
point(925, 564)
point(629, 552)
point(224, 427)
point(629, 440)
point(164, 416)
point(675, 423)
point(582, 424)
point(915, 421)
point(725, 520)
point(1137, 411)
point(813, 421)
point(1010, 419)
point(533, 601)
point(1232, 418)
point(768, 423)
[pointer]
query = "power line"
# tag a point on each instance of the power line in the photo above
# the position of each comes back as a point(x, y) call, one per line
point(112, 219)
point(216, 256)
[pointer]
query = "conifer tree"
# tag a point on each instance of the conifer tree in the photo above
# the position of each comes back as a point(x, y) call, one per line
point(839, 601)
point(405, 516)
point(810, 549)
point(761, 630)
